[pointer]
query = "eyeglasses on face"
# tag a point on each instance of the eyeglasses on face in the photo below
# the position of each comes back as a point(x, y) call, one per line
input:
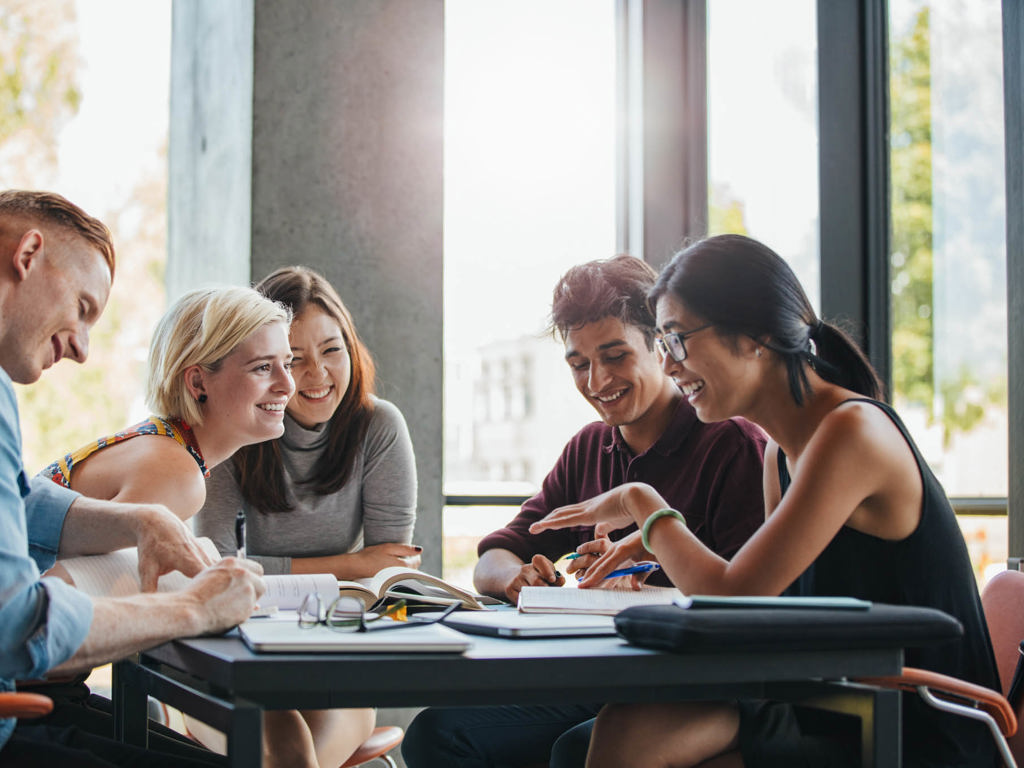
point(345, 614)
point(674, 344)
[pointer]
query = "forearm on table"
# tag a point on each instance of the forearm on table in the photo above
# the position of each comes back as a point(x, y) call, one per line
point(122, 626)
point(344, 566)
point(495, 569)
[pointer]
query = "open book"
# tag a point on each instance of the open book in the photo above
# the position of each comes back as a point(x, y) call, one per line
point(415, 586)
point(600, 601)
point(116, 574)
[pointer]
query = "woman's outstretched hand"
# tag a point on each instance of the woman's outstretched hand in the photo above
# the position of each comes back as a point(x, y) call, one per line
point(612, 510)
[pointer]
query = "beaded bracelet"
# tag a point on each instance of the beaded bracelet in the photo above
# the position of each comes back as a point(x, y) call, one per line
point(655, 516)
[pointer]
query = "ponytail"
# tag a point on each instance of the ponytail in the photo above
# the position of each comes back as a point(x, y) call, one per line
point(845, 364)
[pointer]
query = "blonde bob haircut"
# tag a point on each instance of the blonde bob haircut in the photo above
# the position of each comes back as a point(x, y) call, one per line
point(202, 328)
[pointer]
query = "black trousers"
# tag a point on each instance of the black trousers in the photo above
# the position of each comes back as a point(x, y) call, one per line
point(80, 732)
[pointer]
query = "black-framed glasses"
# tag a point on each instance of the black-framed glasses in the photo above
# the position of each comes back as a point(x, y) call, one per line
point(674, 344)
point(345, 614)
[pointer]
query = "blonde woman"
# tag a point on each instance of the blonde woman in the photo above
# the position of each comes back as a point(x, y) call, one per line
point(218, 379)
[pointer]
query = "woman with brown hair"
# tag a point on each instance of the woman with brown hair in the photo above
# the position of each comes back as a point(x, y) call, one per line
point(336, 493)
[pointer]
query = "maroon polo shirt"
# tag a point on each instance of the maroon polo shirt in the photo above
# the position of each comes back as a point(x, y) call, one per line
point(711, 473)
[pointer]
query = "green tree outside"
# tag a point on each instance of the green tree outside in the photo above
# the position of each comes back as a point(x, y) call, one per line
point(39, 94)
point(958, 402)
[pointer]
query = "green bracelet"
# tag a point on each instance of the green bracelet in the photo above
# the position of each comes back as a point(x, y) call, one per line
point(655, 516)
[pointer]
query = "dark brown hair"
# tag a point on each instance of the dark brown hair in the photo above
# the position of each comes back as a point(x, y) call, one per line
point(50, 208)
point(615, 287)
point(260, 469)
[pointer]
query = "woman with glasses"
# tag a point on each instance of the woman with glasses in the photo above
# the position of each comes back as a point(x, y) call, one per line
point(852, 509)
point(336, 493)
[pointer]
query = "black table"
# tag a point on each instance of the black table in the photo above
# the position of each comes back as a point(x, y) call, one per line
point(220, 681)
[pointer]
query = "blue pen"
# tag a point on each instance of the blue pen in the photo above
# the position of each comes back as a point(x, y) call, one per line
point(641, 568)
point(573, 556)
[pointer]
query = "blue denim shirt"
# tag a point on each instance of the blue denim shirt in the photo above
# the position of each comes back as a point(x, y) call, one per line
point(42, 621)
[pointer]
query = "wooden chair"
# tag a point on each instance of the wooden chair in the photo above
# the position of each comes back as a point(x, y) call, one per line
point(24, 705)
point(1003, 601)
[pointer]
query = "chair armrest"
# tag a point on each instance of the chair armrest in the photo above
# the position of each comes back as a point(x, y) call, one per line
point(23, 704)
point(952, 689)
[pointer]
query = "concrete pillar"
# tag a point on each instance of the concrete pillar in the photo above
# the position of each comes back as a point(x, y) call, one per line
point(310, 132)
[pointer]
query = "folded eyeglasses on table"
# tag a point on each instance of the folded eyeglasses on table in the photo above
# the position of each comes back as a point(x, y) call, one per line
point(346, 614)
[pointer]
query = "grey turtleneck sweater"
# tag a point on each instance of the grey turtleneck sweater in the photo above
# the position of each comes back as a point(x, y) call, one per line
point(376, 506)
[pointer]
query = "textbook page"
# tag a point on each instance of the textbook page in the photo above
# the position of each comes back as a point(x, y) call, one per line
point(286, 591)
point(116, 574)
point(415, 585)
point(601, 601)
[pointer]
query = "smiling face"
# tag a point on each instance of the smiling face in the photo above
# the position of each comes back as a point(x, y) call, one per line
point(618, 375)
point(247, 394)
point(719, 375)
point(321, 367)
point(62, 288)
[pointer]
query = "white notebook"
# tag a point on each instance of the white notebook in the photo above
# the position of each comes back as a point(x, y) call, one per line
point(282, 634)
point(595, 601)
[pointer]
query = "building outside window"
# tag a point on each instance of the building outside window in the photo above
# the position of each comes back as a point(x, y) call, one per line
point(529, 191)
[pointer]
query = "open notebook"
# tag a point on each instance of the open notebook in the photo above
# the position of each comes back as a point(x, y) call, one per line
point(282, 634)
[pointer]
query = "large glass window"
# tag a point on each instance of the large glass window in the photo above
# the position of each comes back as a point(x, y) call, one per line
point(763, 128)
point(948, 257)
point(529, 191)
point(85, 113)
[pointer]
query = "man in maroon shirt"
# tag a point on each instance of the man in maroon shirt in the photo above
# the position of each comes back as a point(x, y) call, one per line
point(648, 432)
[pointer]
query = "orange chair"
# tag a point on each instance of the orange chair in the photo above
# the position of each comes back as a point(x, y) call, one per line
point(24, 705)
point(383, 739)
point(1003, 601)
point(1003, 598)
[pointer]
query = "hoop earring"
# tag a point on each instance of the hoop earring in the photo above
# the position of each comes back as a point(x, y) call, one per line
point(201, 398)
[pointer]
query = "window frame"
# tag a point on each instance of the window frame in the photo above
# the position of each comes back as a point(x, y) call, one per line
point(663, 60)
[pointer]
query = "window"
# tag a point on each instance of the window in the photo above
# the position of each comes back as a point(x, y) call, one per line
point(529, 191)
point(948, 253)
point(70, 69)
point(763, 128)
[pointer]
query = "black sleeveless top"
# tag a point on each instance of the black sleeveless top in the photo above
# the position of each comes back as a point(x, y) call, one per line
point(929, 568)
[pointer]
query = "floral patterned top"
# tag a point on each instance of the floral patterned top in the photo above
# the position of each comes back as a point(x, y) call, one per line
point(60, 470)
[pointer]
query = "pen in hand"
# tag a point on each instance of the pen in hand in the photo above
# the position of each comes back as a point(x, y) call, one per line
point(639, 568)
point(240, 533)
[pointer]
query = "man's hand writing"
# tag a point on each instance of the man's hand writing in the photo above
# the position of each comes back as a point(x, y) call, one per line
point(226, 592)
point(539, 572)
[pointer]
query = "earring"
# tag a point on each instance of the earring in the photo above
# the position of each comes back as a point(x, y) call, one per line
point(758, 351)
point(201, 398)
